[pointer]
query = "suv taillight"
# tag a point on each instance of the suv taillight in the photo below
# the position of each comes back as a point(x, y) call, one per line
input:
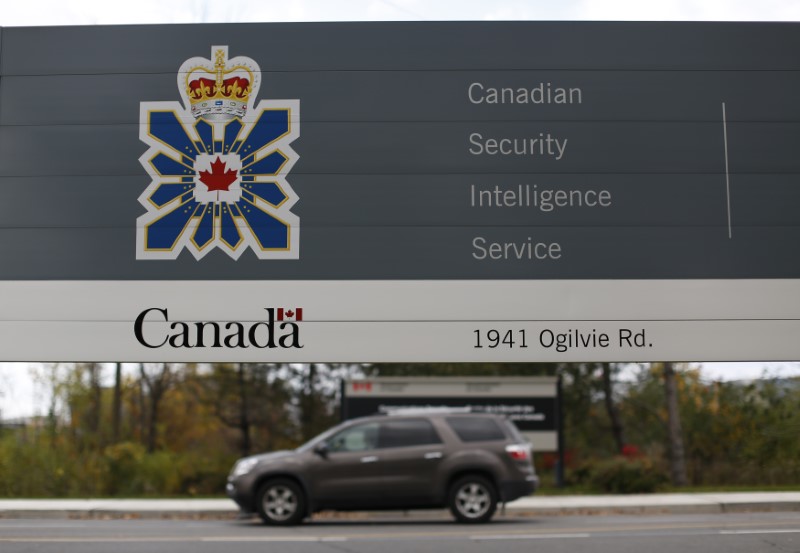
point(519, 452)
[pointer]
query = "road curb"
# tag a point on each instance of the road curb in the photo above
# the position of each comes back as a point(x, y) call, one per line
point(657, 504)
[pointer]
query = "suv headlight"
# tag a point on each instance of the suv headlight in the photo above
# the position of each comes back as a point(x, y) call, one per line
point(243, 466)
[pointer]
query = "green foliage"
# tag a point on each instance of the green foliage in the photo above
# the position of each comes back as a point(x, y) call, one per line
point(122, 461)
point(185, 444)
point(39, 467)
point(734, 434)
point(619, 475)
point(34, 468)
point(131, 471)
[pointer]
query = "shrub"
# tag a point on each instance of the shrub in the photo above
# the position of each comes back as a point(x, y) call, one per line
point(622, 475)
point(124, 461)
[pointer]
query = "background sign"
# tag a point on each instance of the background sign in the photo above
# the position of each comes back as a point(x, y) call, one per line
point(531, 403)
point(530, 169)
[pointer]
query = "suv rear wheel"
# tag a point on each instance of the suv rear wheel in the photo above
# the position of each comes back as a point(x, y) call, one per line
point(473, 499)
point(281, 502)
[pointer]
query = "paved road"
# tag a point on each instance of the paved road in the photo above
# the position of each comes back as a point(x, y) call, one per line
point(734, 533)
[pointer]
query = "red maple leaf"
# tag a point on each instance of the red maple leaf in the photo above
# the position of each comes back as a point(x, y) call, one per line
point(218, 178)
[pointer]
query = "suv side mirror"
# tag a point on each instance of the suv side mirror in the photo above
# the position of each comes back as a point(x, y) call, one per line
point(322, 449)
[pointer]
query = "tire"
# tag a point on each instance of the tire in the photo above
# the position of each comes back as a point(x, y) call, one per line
point(281, 502)
point(472, 499)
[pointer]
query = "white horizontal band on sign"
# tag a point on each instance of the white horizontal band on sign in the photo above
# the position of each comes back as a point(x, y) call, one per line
point(542, 441)
point(417, 341)
point(406, 300)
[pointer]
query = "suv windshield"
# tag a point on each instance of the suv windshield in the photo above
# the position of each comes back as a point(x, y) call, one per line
point(310, 444)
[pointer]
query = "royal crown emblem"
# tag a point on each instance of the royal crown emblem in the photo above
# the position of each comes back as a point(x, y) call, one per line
point(218, 165)
point(219, 90)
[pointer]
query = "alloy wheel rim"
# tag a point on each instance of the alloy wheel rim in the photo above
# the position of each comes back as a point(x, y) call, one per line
point(473, 500)
point(280, 503)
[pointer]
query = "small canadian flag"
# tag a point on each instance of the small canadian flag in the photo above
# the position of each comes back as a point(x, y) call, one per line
point(290, 314)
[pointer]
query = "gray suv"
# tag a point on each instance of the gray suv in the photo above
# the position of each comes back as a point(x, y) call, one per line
point(467, 462)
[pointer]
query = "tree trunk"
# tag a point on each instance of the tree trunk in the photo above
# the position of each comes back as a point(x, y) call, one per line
point(94, 409)
point(156, 386)
point(142, 405)
point(677, 455)
point(611, 408)
point(244, 417)
point(116, 414)
point(152, 422)
point(308, 405)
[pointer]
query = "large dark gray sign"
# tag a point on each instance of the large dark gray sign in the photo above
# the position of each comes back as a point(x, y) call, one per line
point(401, 151)
point(412, 192)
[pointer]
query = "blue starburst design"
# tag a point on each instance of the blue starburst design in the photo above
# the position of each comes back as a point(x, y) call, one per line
point(182, 212)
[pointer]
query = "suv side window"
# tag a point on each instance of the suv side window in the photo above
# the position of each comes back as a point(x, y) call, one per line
point(362, 437)
point(407, 433)
point(476, 429)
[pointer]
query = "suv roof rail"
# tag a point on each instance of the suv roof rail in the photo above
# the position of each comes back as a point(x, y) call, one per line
point(427, 410)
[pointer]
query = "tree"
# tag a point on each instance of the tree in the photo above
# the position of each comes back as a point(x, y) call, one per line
point(95, 400)
point(611, 407)
point(116, 409)
point(157, 379)
point(316, 387)
point(674, 430)
point(253, 399)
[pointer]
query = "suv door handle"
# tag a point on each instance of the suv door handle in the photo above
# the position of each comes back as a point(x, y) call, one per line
point(434, 455)
point(369, 459)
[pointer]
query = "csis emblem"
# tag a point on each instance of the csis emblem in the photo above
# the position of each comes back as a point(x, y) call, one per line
point(218, 165)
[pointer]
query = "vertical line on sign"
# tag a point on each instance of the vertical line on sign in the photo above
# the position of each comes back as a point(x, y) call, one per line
point(727, 168)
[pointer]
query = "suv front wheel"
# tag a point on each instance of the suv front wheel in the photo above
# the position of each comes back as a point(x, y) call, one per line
point(281, 502)
point(472, 499)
